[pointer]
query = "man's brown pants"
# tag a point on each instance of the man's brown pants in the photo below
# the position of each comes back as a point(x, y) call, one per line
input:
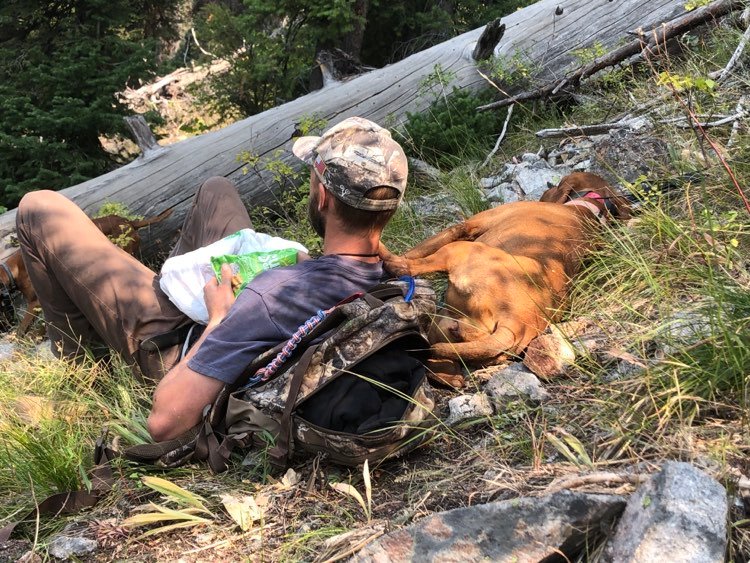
point(92, 292)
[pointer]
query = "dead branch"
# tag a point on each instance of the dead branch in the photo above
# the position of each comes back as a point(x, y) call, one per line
point(598, 129)
point(604, 477)
point(721, 75)
point(643, 44)
point(489, 39)
point(500, 138)
point(142, 134)
point(718, 123)
point(738, 123)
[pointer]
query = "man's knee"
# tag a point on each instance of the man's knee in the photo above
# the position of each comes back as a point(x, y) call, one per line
point(217, 185)
point(34, 202)
point(31, 210)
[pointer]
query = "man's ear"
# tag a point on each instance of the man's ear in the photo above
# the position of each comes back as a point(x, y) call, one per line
point(323, 196)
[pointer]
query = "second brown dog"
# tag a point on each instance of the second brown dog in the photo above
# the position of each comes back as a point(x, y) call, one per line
point(509, 270)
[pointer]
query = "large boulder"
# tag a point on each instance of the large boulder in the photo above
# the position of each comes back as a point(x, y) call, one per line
point(519, 531)
point(679, 515)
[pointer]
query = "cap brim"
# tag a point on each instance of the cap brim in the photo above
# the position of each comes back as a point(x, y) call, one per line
point(304, 148)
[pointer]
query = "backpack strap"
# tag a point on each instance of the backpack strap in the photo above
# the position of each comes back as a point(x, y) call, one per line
point(281, 452)
point(102, 480)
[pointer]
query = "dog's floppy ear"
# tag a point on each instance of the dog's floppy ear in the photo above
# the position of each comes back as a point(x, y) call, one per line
point(559, 193)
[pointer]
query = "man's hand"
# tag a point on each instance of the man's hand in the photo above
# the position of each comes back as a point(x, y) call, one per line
point(219, 296)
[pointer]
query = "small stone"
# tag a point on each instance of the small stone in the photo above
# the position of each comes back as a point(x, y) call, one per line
point(583, 165)
point(515, 381)
point(530, 157)
point(63, 547)
point(468, 407)
point(548, 355)
point(7, 348)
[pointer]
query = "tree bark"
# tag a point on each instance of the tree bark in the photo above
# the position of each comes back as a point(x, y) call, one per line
point(170, 177)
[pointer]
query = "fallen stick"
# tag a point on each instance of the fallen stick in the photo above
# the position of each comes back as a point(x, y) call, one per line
point(644, 43)
point(721, 75)
point(737, 125)
point(500, 138)
point(585, 130)
point(718, 123)
point(604, 477)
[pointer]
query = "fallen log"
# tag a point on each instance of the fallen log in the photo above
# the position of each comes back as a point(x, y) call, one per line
point(646, 42)
point(547, 31)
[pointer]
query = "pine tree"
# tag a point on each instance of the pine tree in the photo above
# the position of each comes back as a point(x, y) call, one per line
point(60, 64)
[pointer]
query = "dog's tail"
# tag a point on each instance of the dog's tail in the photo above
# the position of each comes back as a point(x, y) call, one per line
point(151, 220)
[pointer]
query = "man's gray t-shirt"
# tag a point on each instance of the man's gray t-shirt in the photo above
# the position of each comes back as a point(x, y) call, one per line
point(273, 305)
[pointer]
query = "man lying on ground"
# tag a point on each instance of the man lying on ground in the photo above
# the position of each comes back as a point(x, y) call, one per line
point(92, 292)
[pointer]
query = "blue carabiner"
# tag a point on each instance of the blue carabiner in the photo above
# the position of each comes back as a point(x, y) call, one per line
point(412, 287)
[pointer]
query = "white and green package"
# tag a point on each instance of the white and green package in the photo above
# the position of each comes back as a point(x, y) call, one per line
point(183, 277)
point(246, 266)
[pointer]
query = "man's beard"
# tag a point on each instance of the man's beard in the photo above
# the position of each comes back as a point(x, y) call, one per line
point(315, 216)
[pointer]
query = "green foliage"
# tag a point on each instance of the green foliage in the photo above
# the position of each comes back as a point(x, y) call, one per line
point(695, 4)
point(684, 82)
point(588, 55)
point(287, 217)
point(451, 128)
point(515, 70)
point(271, 45)
point(60, 65)
point(116, 208)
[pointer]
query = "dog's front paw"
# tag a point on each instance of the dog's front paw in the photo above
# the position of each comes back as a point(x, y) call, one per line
point(394, 265)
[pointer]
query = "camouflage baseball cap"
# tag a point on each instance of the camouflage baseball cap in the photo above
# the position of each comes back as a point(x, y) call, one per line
point(353, 157)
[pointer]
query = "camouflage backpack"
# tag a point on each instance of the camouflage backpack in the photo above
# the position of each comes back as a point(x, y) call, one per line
point(359, 392)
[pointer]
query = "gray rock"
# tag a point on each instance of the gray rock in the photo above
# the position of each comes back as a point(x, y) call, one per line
point(515, 381)
point(7, 348)
point(533, 180)
point(490, 182)
point(679, 515)
point(64, 547)
point(467, 407)
point(520, 530)
point(530, 157)
point(686, 327)
point(503, 193)
point(630, 153)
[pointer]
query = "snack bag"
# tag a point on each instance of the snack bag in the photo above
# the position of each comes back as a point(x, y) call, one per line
point(246, 266)
point(183, 277)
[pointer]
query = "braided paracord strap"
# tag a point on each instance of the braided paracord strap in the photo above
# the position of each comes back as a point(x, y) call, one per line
point(265, 373)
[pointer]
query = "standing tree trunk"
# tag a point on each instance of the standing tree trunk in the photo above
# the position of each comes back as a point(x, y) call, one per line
point(546, 32)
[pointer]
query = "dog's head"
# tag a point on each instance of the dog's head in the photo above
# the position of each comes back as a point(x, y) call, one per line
point(582, 184)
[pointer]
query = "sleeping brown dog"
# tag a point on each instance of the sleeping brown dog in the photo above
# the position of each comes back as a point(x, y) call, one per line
point(509, 270)
point(13, 276)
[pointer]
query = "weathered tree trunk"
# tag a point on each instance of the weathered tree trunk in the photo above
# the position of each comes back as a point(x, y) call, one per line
point(546, 32)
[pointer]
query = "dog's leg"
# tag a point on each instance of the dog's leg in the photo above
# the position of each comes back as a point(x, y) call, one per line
point(402, 266)
point(491, 348)
point(436, 242)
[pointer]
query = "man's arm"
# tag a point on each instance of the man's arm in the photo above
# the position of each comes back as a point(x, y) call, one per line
point(181, 395)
